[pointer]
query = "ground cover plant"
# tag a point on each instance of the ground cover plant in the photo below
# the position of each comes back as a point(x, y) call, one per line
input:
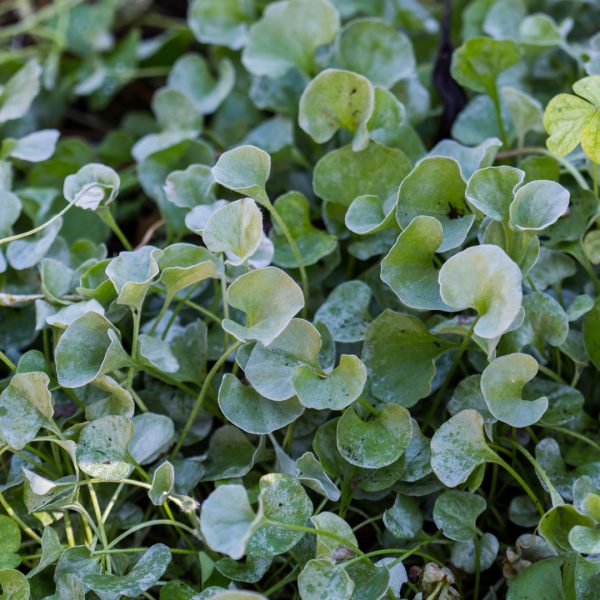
point(300, 299)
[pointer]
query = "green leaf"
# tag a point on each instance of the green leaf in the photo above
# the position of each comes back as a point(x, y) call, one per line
point(252, 570)
point(10, 542)
point(479, 61)
point(287, 36)
point(157, 353)
point(227, 520)
point(18, 93)
point(102, 451)
point(591, 335)
point(312, 474)
point(245, 170)
point(542, 579)
point(88, 348)
point(342, 175)
point(235, 229)
point(26, 253)
point(321, 578)
point(456, 512)
point(14, 585)
point(249, 411)
point(332, 391)
point(404, 518)
point(92, 187)
point(153, 435)
point(469, 158)
point(191, 187)
point(491, 190)
point(190, 76)
point(51, 551)
point(502, 384)
point(163, 480)
point(336, 100)
point(269, 368)
point(269, 297)
point(221, 22)
point(556, 525)
point(435, 188)
point(35, 147)
point(486, 279)
point(377, 442)
point(281, 499)
point(408, 267)
point(465, 556)
point(313, 243)
point(230, 454)
point(144, 575)
point(376, 50)
point(132, 274)
point(327, 547)
point(571, 120)
point(458, 447)
point(182, 265)
point(25, 407)
point(399, 353)
point(537, 205)
point(345, 312)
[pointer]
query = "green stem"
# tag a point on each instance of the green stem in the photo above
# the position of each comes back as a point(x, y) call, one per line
point(151, 524)
point(574, 434)
point(137, 315)
point(201, 396)
point(294, 248)
point(9, 363)
point(107, 217)
point(523, 484)
point(160, 314)
point(498, 111)
point(13, 515)
point(100, 524)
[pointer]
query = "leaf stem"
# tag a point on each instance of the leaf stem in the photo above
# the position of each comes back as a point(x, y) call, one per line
point(13, 515)
point(522, 483)
point(201, 396)
point(151, 524)
point(9, 363)
point(107, 216)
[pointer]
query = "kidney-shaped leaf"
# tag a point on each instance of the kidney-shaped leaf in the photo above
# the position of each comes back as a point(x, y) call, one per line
point(502, 384)
point(25, 407)
point(455, 513)
point(538, 204)
point(269, 297)
point(335, 100)
point(93, 185)
point(458, 447)
point(491, 190)
point(376, 442)
point(486, 279)
point(321, 578)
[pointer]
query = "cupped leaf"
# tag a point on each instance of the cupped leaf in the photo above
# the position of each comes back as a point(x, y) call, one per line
point(19, 92)
point(282, 500)
point(491, 190)
point(322, 578)
point(227, 520)
point(455, 513)
point(10, 542)
point(94, 185)
point(153, 434)
point(368, 214)
point(342, 175)
point(269, 297)
point(132, 273)
point(269, 368)
point(88, 348)
point(235, 229)
point(245, 170)
point(502, 385)
point(13, 583)
point(313, 243)
point(190, 76)
point(221, 22)
point(312, 474)
point(25, 407)
point(191, 187)
point(376, 50)
point(404, 518)
point(469, 558)
point(408, 267)
point(486, 279)
point(182, 265)
point(253, 413)
point(35, 147)
point(479, 61)
point(458, 447)
point(328, 547)
point(435, 188)
point(330, 391)
point(571, 120)
point(157, 353)
point(337, 99)
point(230, 454)
point(345, 312)
point(163, 480)
point(537, 205)
point(102, 450)
point(287, 36)
point(376, 442)
point(469, 158)
point(399, 353)
point(145, 574)
point(26, 253)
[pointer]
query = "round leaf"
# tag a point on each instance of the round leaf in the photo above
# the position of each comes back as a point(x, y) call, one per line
point(93, 185)
point(537, 205)
point(455, 513)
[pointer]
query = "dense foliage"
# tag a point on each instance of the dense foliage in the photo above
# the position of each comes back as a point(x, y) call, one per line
point(296, 301)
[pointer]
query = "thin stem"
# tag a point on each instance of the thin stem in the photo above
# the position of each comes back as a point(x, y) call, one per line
point(9, 363)
point(151, 524)
point(13, 515)
point(137, 315)
point(160, 314)
point(294, 248)
point(201, 396)
point(523, 484)
point(107, 217)
point(498, 111)
point(100, 524)
point(574, 434)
